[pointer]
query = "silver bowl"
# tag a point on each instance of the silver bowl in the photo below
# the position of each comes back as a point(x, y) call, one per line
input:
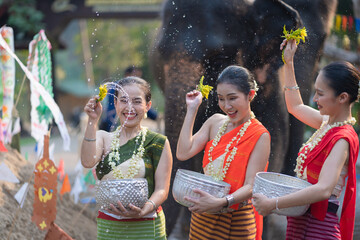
point(134, 191)
point(186, 181)
point(274, 185)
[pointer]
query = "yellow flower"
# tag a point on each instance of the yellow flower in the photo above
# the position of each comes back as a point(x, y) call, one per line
point(204, 89)
point(297, 35)
point(102, 92)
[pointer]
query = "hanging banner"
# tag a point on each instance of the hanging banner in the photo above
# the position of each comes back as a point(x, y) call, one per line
point(45, 95)
point(39, 63)
point(7, 83)
point(45, 187)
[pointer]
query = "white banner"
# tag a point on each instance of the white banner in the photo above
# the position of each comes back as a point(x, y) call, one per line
point(7, 78)
point(54, 108)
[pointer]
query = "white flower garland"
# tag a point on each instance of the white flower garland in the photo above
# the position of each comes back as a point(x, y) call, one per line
point(114, 155)
point(313, 142)
point(215, 142)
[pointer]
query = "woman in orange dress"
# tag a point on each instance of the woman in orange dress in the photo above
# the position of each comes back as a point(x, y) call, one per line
point(236, 146)
point(327, 158)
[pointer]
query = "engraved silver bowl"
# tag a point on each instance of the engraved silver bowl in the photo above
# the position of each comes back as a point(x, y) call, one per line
point(134, 191)
point(186, 181)
point(274, 185)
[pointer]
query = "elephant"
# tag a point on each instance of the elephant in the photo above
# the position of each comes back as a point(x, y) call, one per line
point(200, 38)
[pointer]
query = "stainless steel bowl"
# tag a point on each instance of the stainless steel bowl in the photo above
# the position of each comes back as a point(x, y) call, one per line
point(274, 185)
point(134, 191)
point(186, 181)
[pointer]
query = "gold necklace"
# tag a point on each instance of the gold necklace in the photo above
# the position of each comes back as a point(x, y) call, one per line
point(230, 158)
point(314, 141)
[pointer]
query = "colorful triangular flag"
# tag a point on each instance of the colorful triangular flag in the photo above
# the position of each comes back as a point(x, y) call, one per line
point(89, 178)
point(6, 174)
point(17, 127)
point(77, 189)
point(20, 196)
point(66, 187)
point(2, 147)
point(61, 171)
point(78, 168)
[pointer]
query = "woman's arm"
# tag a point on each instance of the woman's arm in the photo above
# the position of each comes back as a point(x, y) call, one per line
point(257, 163)
point(294, 103)
point(162, 176)
point(322, 190)
point(92, 144)
point(188, 144)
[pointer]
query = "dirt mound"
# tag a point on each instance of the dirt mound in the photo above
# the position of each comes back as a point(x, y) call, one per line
point(76, 220)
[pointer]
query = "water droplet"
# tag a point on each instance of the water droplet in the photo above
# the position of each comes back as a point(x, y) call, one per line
point(199, 40)
point(92, 45)
point(184, 16)
point(190, 26)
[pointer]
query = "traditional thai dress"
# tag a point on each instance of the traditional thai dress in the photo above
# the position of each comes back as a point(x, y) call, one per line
point(321, 221)
point(240, 223)
point(150, 227)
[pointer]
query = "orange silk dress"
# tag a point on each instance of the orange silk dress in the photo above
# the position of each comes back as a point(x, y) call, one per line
point(229, 223)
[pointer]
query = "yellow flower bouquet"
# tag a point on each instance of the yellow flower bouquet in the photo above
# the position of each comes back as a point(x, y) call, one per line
point(102, 92)
point(298, 34)
point(204, 89)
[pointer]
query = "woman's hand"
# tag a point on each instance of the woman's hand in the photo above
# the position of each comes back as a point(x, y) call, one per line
point(193, 99)
point(290, 49)
point(134, 212)
point(93, 109)
point(205, 203)
point(262, 204)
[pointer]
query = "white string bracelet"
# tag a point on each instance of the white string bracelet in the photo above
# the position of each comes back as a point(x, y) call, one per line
point(90, 139)
point(296, 87)
point(276, 204)
point(152, 202)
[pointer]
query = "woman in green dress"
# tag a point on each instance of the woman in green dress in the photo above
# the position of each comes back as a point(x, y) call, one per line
point(131, 151)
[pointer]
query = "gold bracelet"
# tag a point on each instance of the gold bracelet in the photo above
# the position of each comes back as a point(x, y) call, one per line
point(90, 139)
point(296, 87)
point(152, 202)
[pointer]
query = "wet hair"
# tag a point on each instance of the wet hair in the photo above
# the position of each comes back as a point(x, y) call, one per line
point(144, 85)
point(239, 77)
point(343, 77)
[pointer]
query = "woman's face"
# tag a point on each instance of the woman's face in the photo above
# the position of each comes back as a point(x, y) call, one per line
point(131, 105)
point(234, 103)
point(324, 96)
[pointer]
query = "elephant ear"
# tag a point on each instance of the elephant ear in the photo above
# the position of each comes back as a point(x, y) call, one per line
point(269, 17)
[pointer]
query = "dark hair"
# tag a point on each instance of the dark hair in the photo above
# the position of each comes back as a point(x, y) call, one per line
point(130, 70)
point(342, 77)
point(239, 77)
point(144, 85)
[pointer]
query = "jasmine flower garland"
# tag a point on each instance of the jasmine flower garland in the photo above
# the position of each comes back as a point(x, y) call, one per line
point(215, 142)
point(114, 155)
point(314, 141)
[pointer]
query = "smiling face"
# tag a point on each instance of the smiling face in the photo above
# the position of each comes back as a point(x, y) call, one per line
point(324, 96)
point(131, 105)
point(234, 103)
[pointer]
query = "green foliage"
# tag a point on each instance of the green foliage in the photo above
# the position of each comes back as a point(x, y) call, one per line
point(24, 18)
point(115, 45)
